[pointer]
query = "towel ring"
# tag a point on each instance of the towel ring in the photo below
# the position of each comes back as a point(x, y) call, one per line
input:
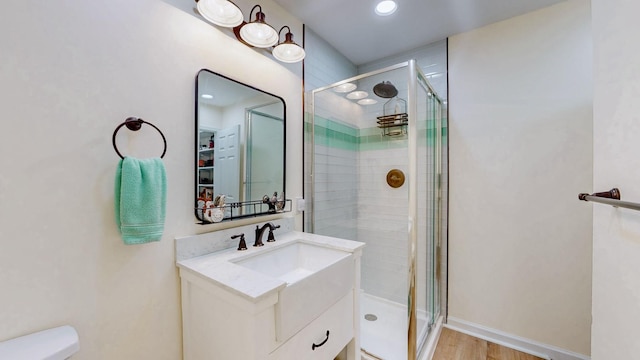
point(134, 124)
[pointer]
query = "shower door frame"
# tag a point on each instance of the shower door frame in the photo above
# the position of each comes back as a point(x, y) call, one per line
point(437, 200)
point(412, 111)
point(248, 130)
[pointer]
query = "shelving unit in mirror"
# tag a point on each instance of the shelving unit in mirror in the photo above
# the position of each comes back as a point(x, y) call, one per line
point(206, 152)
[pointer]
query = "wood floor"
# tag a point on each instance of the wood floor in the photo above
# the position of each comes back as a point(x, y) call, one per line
point(458, 346)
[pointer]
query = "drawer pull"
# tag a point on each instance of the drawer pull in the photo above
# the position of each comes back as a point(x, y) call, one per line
point(314, 346)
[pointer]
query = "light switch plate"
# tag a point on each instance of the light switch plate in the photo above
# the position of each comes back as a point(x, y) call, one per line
point(301, 205)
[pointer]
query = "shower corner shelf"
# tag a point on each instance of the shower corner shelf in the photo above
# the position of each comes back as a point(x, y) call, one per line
point(393, 125)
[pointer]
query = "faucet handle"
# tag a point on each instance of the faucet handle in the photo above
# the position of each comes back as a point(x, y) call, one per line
point(271, 237)
point(242, 245)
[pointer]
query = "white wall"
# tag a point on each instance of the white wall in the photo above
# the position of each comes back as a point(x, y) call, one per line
point(71, 71)
point(616, 232)
point(209, 116)
point(520, 97)
point(235, 114)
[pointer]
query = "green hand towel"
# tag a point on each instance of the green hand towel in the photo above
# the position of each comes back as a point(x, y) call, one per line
point(140, 199)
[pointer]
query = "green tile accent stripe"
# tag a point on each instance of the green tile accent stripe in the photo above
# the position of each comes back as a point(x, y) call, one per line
point(334, 134)
point(336, 126)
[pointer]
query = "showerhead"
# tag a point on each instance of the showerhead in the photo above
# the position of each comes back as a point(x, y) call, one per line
point(385, 90)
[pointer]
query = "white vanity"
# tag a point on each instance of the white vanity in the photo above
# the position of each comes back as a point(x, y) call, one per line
point(296, 298)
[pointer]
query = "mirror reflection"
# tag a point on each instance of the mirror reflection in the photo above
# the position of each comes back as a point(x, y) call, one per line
point(240, 140)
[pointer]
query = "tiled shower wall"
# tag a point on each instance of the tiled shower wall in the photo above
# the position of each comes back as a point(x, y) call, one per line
point(353, 200)
point(382, 217)
point(335, 181)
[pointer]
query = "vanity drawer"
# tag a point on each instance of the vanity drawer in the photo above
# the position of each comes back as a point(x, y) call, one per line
point(338, 320)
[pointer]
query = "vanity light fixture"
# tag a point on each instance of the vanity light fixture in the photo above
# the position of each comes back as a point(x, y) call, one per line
point(288, 51)
point(345, 88)
point(357, 95)
point(220, 12)
point(258, 33)
point(386, 7)
point(367, 101)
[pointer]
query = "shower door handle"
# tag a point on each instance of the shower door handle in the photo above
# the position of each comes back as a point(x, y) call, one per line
point(314, 346)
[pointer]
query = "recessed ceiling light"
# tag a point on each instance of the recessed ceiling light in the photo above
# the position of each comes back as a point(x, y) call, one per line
point(367, 101)
point(344, 88)
point(357, 95)
point(386, 7)
point(207, 96)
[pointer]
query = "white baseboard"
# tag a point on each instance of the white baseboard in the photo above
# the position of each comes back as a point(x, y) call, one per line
point(528, 346)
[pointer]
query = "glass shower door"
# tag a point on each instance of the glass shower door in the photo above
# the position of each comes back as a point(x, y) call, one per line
point(349, 158)
point(429, 175)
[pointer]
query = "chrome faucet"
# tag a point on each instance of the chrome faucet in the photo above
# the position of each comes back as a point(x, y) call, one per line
point(260, 232)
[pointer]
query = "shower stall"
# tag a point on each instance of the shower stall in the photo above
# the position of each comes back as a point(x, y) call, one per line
point(375, 171)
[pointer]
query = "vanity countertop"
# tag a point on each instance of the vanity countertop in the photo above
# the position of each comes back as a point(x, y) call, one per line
point(251, 285)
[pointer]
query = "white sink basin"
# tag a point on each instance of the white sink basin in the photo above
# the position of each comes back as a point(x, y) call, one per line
point(317, 276)
point(292, 262)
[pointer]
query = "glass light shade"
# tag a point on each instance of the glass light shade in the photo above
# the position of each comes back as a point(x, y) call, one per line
point(288, 52)
point(356, 95)
point(220, 12)
point(367, 101)
point(345, 88)
point(386, 7)
point(259, 35)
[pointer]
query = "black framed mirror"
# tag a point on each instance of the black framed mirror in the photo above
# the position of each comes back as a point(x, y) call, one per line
point(240, 150)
